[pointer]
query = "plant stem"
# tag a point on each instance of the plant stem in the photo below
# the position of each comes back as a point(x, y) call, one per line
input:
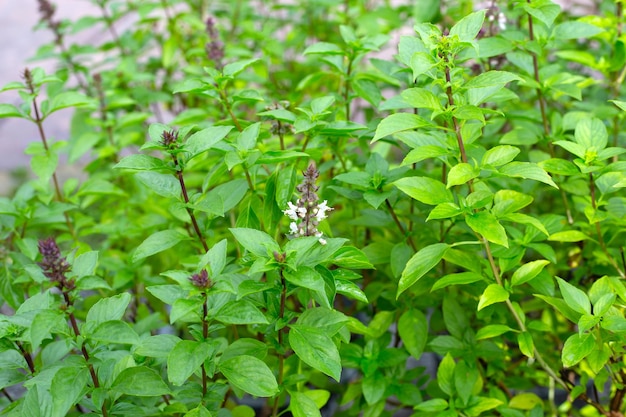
point(103, 113)
point(83, 349)
point(55, 180)
point(612, 260)
point(27, 357)
point(205, 335)
point(346, 89)
point(181, 180)
point(397, 221)
point(544, 116)
point(457, 128)
point(518, 319)
point(109, 23)
point(6, 394)
point(229, 110)
point(281, 356)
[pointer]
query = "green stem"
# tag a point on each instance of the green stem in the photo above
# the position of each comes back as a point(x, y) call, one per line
point(544, 116)
point(205, 336)
point(612, 260)
point(83, 349)
point(55, 180)
point(400, 227)
point(281, 355)
point(194, 222)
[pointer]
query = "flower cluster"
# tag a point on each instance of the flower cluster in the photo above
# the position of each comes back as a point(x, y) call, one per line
point(169, 139)
point(47, 10)
point(201, 280)
point(54, 265)
point(214, 48)
point(308, 212)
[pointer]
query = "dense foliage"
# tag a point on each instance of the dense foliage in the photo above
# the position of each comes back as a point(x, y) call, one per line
point(308, 207)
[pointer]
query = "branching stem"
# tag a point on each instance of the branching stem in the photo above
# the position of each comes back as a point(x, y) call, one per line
point(183, 187)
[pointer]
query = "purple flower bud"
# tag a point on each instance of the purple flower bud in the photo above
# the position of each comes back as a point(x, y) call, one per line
point(170, 139)
point(54, 266)
point(201, 280)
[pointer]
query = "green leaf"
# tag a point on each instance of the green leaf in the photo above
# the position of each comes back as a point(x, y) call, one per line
point(444, 211)
point(306, 277)
point(559, 166)
point(525, 401)
point(140, 381)
point(326, 319)
point(251, 375)
point(352, 258)
point(316, 349)
point(479, 405)
point(255, 241)
point(424, 152)
point(614, 323)
point(576, 348)
point(591, 133)
point(234, 68)
point(111, 308)
point(247, 139)
point(141, 162)
point(67, 389)
point(602, 305)
point(115, 331)
point(445, 374)
point(399, 122)
point(499, 155)
point(493, 294)
point(492, 330)
point(324, 48)
point(425, 190)
point(486, 224)
point(432, 406)
point(185, 359)
point(413, 330)
point(351, 290)
point(420, 98)
point(568, 236)
point(545, 12)
point(301, 405)
point(422, 262)
point(9, 110)
point(157, 346)
point(573, 148)
point(421, 63)
point(576, 299)
point(158, 242)
point(240, 312)
point(274, 157)
point(373, 386)
point(205, 139)
point(526, 344)
point(460, 174)
point(528, 271)
point(85, 264)
point(245, 346)
point(468, 27)
point(44, 165)
point(509, 201)
point(492, 79)
point(527, 170)
point(576, 30)
point(459, 278)
point(68, 99)
point(165, 185)
point(464, 380)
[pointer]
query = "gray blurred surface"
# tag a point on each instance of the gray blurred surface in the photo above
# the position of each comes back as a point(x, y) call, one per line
point(19, 43)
